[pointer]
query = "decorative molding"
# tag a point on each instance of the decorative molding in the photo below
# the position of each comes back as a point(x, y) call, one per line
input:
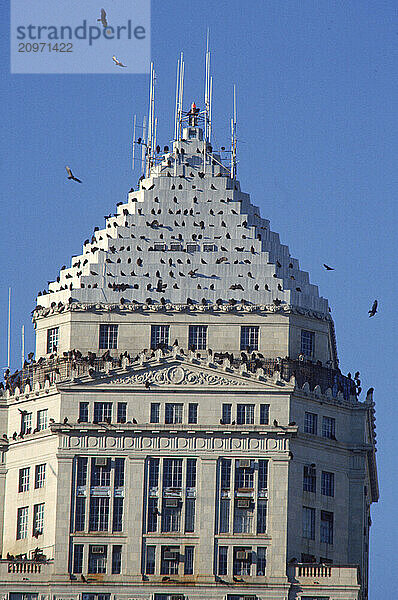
point(175, 375)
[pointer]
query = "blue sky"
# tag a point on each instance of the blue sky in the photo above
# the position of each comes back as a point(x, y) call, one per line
point(317, 96)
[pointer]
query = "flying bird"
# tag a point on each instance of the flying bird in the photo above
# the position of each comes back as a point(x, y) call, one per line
point(117, 62)
point(71, 176)
point(328, 268)
point(103, 18)
point(373, 310)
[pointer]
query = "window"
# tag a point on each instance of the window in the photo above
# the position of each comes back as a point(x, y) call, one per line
point(153, 512)
point(150, 560)
point(191, 472)
point(171, 516)
point(188, 560)
point(245, 414)
point(192, 247)
point(170, 559)
point(155, 412)
point(116, 560)
point(244, 475)
point(310, 423)
point(175, 246)
point(83, 412)
point(99, 515)
point(38, 519)
point(307, 342)
point(108, 337)
point(327, 484)
point(24, 475)
point(222, 560)
point(308, 523)
point(81, 471)
point(119, 472)
point(40, 476)
point(80, 514)
point(26, 422)
point(22, 523)
point(261, 516)
point(189, 515)
point(117, 522)
point(261, 561)
point(96, 597)
point(226, 414)
point(309, 478)
point(242, 561)
point(153, 473)
point(224, 515)
point(97, 559)
point(197, 337)
point(192, 413)
point(78, 558)
point(159, 336)
point(100, 474)
point(326, 527)
point(172, 473)
point(262, 474)
point(121, 412)
point(42, 416)
point(52, 340)
point(209, 248)
point(159, 246)
point(264, 414)
point(225, 473)
point(173, 413)
point(102, 412)
point(329, 428)
point(243, 520)
point(249, 338)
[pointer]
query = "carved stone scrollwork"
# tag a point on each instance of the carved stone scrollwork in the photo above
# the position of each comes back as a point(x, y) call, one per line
point(176, 375)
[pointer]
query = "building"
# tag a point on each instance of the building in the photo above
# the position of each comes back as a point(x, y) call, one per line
point(184, 430)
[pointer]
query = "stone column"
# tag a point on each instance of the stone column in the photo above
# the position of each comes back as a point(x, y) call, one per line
point(205, 516)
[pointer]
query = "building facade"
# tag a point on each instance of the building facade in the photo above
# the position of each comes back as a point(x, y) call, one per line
point(184, 430)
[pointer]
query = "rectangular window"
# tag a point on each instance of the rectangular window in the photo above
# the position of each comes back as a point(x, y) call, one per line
point(261, 516)
point(261, 561)
point(52, 340)
point(116, 560)
point(117, 521)
point(42, 419)
point(83, 412)
point(99, 514)
point(244, 475)
point(172, 473)
point(264, 414)
point(225, 473)
point(191, 472)
point(329, 428)
point(80, 514)
point(188, 560)
point(153, 512)
point(81, 471)
point(175, 246)
point(153, 473)
point(121, 412)
point(308, 523)
point(262, 474)
point(40, 476)
point(249, 338)
point(150, 560)
point(159, 246)
point(22, 523)
point(309, 478)
point(327, 484)
point(224, 515)
point(24, 475)
point(26, 422)
point(226, 414)
point(192, 247)
point(100, 474)
point(209, 248)
point(97, 559)
point(102, 412)
point(326, 527)
point(243, 520)
point(245, 414)
point(242, 561)
point(38, 519)
point(173, 413)
point(189, 515)
point(78, 558)
point(170, 559)
point(108, 337)
point(307, 342)
point(197, 337)
point(311, 423)
point(159, 336)
point(192, 413)
point(171, 516)
point(155, 412)
point(119, 472)
point(222, 560)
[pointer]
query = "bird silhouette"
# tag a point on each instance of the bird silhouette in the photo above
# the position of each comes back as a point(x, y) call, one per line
point(328, 268)
point(103, 18)
point(71, 176)
point(117, 62)
point(373, 310)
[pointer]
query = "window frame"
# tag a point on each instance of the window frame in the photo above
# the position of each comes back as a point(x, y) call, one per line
point(108, 334)
point(197, 337)
point(249, 338)
point(307, 343)
point(160, 336)
point(52, 339)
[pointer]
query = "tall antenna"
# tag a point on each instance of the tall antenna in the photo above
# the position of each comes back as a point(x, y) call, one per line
point(208, 92)
point(179, 97)
point(233, 137)
point(9, 329)
point(151, 124)
point(144, 146)
point(22, 346)
point(133, 143)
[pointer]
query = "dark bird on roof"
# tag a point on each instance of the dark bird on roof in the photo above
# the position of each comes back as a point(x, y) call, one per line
point(202, 260)
point(252, 250)
point(147, 385)
point(135, 420)
point(221, 259)
point(292, 423)
point(277, 302)
point(23, 412)
point(65, 420)
point(239, 248)
point(224, 249)
point(373, 310)
point(192, 272)
point(223, 224)
point(276, 423)
point(84, 580)
point(71, 176)
point(355, 376)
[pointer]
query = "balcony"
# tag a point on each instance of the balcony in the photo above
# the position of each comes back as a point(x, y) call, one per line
point(25, 570)
point(323, 580)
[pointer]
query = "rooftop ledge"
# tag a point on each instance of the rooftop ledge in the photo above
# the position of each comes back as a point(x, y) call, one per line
point(324, 575)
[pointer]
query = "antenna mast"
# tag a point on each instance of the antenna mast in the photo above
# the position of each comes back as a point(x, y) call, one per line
point(151, 124)
point(9, 329)
point(133, 144)
point(179, 97)
point(233, 137)
point(208, 93)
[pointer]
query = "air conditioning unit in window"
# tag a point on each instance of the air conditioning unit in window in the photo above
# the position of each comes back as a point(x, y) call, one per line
point(177, 597)
point(249, 597)
point(101, 462)
point(171, 502)
point(98, 549)
point(171, 555)
point(243, 555)
point(243, 503)
point(244, 464)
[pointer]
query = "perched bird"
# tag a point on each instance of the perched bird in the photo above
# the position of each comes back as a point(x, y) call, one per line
point(103, 18)
point(135, 421)
point(276, 423)
point(117, 62)
point(373, 310)
point(71, 176)
point(328, 268)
